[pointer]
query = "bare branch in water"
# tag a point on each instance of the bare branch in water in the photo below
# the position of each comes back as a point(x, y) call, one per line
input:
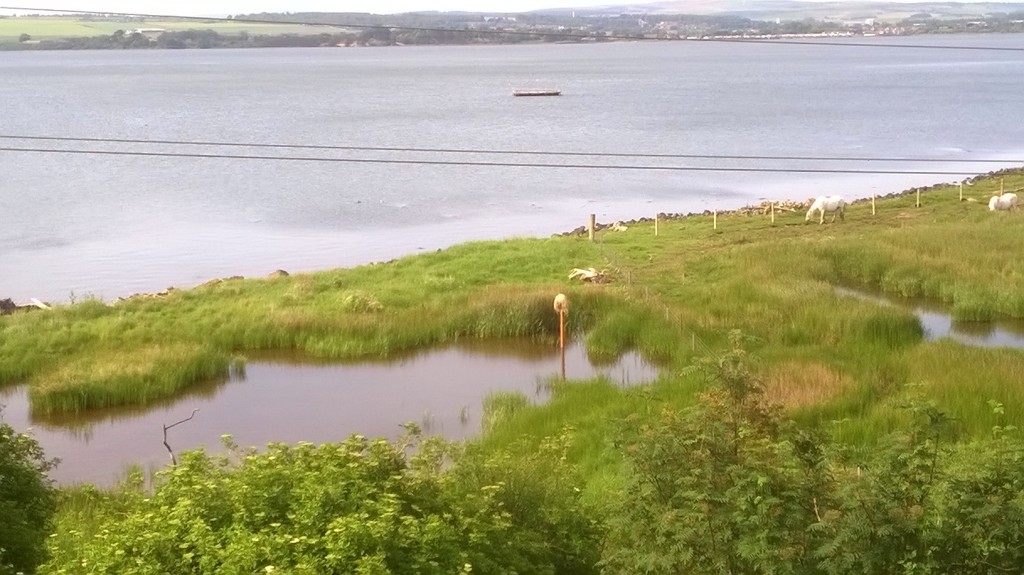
point(174, 461)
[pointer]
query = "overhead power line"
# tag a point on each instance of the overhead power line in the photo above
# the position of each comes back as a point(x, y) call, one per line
point(561, 35)
point(477, 163)
point(503, 152)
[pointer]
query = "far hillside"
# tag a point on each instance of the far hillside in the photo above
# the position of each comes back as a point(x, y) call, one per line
point(51, 27)
point(797, 10)
point(666, 20)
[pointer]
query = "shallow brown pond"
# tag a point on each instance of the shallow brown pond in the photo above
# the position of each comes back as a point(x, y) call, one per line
point(284, 400)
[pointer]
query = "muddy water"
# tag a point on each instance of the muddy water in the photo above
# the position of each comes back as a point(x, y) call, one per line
point(281, 399)
point(939, 324)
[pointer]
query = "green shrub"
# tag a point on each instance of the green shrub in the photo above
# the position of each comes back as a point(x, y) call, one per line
point(27, 502)
point(721, 487)
point(359, 506)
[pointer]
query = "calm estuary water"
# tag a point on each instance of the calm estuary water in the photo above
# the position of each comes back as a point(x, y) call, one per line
point(113, 225)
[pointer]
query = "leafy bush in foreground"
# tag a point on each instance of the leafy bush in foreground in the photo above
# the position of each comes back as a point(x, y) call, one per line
point(360, 506)
point(722, 487)
point(27, 502)
point(727, 487)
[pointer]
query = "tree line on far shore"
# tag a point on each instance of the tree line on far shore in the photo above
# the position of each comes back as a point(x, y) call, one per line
point(479, 28)
point(184, 39)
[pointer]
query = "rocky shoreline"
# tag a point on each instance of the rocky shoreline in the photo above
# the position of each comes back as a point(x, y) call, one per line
point(214, 282)
point(8, 307)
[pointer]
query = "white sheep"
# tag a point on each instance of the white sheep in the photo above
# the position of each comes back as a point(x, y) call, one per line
point(832, 204)
point(1003, 202)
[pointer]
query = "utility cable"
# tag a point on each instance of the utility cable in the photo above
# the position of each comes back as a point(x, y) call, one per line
point(561, 35)
point(491, 151)
point(478, 163)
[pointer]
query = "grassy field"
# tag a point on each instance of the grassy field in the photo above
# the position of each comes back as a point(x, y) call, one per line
point(834, 361)
point(42, 28)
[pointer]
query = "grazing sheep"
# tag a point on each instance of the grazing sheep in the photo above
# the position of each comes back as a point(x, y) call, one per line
point(1003, 202)
point(833, 204)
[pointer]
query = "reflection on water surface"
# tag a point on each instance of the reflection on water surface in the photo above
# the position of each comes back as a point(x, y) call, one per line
point(281, 398)
point(939, 324)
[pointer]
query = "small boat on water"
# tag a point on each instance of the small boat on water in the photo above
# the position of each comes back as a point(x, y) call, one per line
point(537, 93)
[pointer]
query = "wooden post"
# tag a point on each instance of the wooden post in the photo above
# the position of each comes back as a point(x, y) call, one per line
point(591, 224)
point(563, 363)
point(919, 197)
point(561, 338)
point(872, 204)
point(961, 191)
point(655, 225)
point(714, 221)
point(773, 212)
point(562, 307)
point(561, 329)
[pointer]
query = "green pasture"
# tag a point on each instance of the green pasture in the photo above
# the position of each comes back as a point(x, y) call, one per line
point(42, 28)
point(830, 360)
point(858, 387)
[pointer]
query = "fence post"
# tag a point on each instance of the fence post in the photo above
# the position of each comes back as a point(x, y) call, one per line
point(919, 197)
point(873, 204)
point(773, 212)
point(591, 224)
point(562, 307)
point(656, 225)
point(961, 191)
point(715, 220)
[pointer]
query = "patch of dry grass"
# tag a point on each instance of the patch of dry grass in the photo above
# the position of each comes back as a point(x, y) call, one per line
point(794, 384)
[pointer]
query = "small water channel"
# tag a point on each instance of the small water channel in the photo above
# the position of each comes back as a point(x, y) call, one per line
point(938, 324)
point(284, 399)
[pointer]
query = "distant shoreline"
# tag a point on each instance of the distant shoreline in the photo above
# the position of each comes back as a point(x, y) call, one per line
point(51, 30)
point(81, 43)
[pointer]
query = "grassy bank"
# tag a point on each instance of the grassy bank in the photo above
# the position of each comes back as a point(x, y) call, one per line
point(843, 365)
point(93, 355)
point(672, 297)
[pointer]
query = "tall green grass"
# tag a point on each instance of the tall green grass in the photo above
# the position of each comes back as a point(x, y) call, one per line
point(963, 381)
point(955, 252)
point(775, 282)
point(500, 406)
point(135, 377)
point(91, 355)
point(590, 411)
point(672, 297)
point(836, 363)
point(82, 510)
